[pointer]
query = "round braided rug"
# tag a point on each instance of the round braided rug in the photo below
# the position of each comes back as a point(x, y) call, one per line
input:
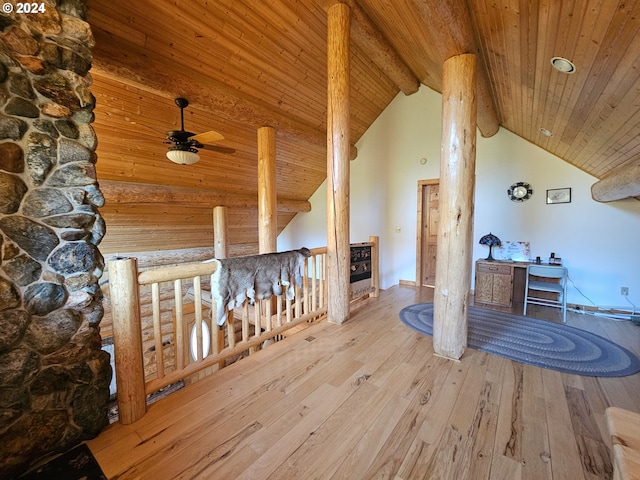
point(535, 342)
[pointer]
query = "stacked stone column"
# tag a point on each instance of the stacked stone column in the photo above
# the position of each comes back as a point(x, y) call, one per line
point(54, 377)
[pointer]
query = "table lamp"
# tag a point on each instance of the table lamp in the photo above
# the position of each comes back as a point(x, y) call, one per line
point(491, 240)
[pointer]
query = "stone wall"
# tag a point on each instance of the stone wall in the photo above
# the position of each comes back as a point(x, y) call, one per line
point(54, 377)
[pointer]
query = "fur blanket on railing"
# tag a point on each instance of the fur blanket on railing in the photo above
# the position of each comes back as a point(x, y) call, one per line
point(256, 277)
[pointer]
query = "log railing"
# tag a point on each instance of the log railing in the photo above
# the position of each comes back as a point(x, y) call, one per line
point(182, 320)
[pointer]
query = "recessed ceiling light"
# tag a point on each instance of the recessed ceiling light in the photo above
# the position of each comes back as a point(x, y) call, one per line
point(545, 132)
point(563, 65)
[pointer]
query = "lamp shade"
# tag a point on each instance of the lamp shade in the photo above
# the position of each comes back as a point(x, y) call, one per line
point(183, 157)
point(490, 240)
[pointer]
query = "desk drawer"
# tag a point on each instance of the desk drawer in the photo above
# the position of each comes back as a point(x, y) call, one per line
point(493, 268)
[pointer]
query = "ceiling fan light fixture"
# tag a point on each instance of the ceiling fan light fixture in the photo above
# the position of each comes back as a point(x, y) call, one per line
point(183, 157)
point(563, 65)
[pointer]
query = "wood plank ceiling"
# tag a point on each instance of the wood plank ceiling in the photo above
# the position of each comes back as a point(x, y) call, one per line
point(250, 63)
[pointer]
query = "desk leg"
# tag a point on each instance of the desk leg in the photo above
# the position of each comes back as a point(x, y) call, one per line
point(519, 282)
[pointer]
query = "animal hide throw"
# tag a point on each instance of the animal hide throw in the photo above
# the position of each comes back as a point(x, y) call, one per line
point(255, 277)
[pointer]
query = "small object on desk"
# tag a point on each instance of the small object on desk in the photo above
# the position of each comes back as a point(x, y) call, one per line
point(538, 260)
point(553, 260)
point(492, 241)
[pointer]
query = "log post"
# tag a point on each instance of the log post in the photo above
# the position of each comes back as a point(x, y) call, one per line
point(220, 232)
point(338, 249)
point(455, 226)
point(221, 250)
point(127, 339)
point(267, 215)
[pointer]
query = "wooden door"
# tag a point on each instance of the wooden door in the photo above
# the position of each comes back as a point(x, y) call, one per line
point(428, 213)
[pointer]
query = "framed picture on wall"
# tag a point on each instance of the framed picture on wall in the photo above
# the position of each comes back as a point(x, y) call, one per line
point(559, 195)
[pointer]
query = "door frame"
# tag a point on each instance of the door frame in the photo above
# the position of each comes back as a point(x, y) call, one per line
point(421, 185)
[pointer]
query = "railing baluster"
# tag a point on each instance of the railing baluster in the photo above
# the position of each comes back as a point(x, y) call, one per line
point(278, 311)
point(157, 329)
point(245, 322)
point(257, 317)
point(289, 309)
point(231, 330)
point(305, 288)
point(197, 299)
point(314, 283)
point(178, 337)
point(267, 313)
point(323, 300)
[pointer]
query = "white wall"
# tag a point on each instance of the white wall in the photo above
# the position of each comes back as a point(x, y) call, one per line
point(597, 242)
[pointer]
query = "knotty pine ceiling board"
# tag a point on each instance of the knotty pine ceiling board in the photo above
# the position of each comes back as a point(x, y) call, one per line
point(132, 129)
point(590, 111)
point(407, 32)
point(272, 54)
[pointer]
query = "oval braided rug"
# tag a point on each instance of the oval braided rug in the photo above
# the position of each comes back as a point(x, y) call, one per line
point(535, 342)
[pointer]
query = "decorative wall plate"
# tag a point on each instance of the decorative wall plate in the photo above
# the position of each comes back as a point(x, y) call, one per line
point(520, 191)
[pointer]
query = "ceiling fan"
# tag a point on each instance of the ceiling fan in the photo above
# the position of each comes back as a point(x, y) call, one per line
point(184, 145)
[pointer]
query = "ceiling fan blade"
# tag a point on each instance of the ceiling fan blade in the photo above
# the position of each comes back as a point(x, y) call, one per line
point(217, 148)
point(207, 137)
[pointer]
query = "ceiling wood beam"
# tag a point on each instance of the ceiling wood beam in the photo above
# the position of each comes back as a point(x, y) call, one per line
point(116, 192)
point(374, 44)
point(133, 65)
point(452, 31)
point(621, 184)
point(367, 36)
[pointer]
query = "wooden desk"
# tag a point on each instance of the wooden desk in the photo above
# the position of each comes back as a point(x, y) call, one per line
point(500, 283)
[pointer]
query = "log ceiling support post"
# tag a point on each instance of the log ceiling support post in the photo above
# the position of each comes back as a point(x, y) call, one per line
point(221, 250)
point(220, 232)
point(455, 226)
point(338, 248)
point(267, 212)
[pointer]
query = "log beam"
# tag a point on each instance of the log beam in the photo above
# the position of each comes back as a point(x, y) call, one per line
point(622, 183)
point(267, 215)
point(130, 64)
point(455, 225)
point(368, 37)
point(116, 192)
point(452, 32)
point(338, 243)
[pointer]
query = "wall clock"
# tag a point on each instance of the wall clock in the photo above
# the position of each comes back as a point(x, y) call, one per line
point(520, 191)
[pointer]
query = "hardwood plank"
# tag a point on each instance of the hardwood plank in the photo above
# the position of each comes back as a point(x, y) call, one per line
point(565, 455)
point(368, 399)
point(594, 454)
point(536, 453)
point(338, 432)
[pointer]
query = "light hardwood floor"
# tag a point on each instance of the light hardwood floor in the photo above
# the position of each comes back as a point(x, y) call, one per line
point(368, 399)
